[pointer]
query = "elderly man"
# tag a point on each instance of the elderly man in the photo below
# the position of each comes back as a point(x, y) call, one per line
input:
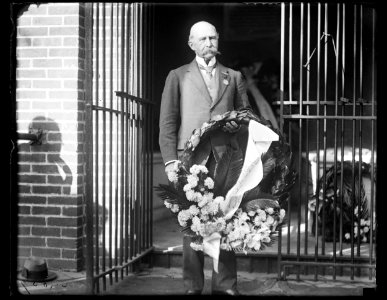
point(193, 94)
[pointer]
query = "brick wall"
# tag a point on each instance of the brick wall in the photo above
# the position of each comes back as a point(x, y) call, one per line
point(50, 96)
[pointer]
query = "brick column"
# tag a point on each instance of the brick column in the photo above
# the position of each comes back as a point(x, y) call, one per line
point(50, 96)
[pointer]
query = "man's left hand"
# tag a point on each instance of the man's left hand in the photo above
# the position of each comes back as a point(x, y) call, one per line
point(231, 127)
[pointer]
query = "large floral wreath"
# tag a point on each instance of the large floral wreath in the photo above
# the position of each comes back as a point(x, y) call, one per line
point(241, 208)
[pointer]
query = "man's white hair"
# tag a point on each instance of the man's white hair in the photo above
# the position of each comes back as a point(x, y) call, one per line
point(198, 25)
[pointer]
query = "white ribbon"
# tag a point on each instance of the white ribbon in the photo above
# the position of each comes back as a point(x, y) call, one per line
point(259, 141)
point(211, 246)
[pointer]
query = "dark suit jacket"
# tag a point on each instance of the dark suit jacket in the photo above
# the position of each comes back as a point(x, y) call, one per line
point(186, 104)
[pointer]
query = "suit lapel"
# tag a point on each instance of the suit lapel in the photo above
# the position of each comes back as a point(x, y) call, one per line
point(223, 82)
point(196, 77)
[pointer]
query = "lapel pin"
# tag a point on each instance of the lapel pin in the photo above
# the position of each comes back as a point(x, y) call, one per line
point(225, 81)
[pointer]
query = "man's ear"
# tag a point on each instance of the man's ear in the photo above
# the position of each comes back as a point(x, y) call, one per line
point(190, 44)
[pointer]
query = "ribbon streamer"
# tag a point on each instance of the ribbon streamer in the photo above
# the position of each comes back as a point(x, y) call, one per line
point(259, 141)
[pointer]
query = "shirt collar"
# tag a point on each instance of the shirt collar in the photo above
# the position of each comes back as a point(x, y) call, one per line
point(201, 61)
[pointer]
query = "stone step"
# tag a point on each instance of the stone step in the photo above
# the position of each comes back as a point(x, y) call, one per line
point(268, 263)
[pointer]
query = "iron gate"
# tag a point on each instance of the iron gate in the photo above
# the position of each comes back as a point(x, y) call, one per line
point(328, 113)
point(119, 140)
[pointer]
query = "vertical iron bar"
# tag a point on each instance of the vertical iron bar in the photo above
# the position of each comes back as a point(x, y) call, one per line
point(300, 138)
point(353, 139)
point(307, 132)
point(127, 152)
point(96, 155)
point(336, 137)
point(131, 200)
point(290, 99)
point(117, 148)
point(279, 258)
point(318, 136)
point(122, 133)
point(360, 126)
point(282, 66)
point(373, 99)
point(103, 143)
point(138, 188)
point(132, 181)
point(89, 148)
point(111, 147)
point(325, 129)
point(342, 132)
point(152, 57)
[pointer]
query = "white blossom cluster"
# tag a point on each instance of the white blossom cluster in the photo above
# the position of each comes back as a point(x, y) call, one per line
point(365, 227)
point(250, 230)
point(245, 230)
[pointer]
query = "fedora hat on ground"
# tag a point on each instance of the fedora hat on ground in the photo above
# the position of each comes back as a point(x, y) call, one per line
point(35, 269)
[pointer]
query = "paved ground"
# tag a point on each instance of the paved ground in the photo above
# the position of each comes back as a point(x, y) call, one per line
point(162, 281)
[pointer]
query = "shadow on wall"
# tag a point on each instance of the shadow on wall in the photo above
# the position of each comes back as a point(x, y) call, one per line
point(46, 159)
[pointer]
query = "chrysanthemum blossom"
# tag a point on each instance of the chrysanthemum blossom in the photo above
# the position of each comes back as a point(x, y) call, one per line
point(192, 180)
point(175, 208)
point(209, 183)
point(173, 177)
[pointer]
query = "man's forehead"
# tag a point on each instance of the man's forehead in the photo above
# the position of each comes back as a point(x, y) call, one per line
point(203, 29)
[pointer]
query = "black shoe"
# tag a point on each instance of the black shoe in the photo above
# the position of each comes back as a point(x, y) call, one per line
point(193, 292)
point(229, 292)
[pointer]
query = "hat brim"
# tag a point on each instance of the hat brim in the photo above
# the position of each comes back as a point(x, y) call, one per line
point(51, 276)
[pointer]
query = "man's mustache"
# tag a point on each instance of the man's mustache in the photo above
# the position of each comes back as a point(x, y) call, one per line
point(212, 51)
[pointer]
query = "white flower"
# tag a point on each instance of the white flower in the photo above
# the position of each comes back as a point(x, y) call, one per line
point(251, 213)
point(225, 246)
point(362, 222)
point(167, 204)
point(270, 220)
point(197, 247)
point(172, 177)
point(366, 229)
point(202, 202)
point(218, 199)
point(192, 180)
point(356, 210)
point(187, 187)
point(257, 246)
point(236, 244)
point(183, 217)
point(282, 213)
point(364, 239)
point(175, 208)
point(198, 197)
point(190, 195)
point(204, 217)
point(193, 210)
point(257, 221)
point(196, 225)
point(244, 216)
point(229, 228)
point(261, 214)
point(209, 183)
point(196, 169)
point(220, 224)
point(347, 236)
point(269, 210)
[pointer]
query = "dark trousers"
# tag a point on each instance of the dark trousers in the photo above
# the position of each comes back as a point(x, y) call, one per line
point(193, 261)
